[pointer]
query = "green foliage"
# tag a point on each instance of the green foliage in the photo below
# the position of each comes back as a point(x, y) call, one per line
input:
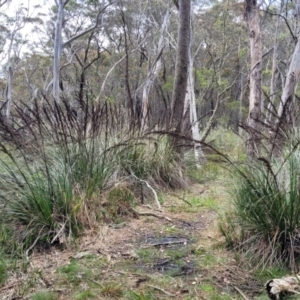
point(233, 105)
point(168, 85)
point(204, 77)
point(266, 220)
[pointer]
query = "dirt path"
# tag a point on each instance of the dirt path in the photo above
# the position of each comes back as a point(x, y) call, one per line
point(179, 255)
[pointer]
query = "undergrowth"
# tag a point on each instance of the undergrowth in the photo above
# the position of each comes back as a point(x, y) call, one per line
point(61, 171)
point(265, 224)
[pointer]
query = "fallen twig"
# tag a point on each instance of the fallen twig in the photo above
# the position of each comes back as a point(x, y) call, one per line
point(161, 290)
point(241, 293)
point(182, 241)
point(9, 286)
point(151, 214)
point(187, 202)
point(151, 188)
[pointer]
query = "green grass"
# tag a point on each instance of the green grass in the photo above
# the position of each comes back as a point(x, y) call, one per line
point(85, 295)
point(3, 271)
point(266, 220)
point(213, 292)
point(44, 296)
point(73, 272)
point(132, 295)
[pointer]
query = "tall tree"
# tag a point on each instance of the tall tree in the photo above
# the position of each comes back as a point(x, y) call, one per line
point(255, 97)
point(59, 44)
point(181, 69)
point(154, 70)
point(14, 44)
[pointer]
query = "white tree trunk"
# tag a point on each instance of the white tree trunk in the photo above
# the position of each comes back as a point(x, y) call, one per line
point(291, 83)
point(255, 98)
point(59, 45)
point(190, 102)
point(9, 83)
point(57, 48)
point(154, 71)
point(274, 69)
point(19, 23)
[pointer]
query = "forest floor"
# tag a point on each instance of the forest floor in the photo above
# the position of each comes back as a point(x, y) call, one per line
point(176, 254)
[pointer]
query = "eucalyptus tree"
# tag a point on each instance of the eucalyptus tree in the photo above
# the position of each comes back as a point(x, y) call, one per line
point(292, 77)
point(14, 44)
point(59, 44)
point(255, 98)
point(181, 71)
point(155, 68)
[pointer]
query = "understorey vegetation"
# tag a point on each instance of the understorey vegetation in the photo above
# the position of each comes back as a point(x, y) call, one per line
point(264, 224)
point(61, 172)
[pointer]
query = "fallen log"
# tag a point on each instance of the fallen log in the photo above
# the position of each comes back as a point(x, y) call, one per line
point(278, 287)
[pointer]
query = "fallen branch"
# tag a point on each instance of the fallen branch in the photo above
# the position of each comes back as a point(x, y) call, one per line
point(161, 290)
point(167, 243)
point(151, 188)
point(275, 287)
point(150, 214)
point(182, 199)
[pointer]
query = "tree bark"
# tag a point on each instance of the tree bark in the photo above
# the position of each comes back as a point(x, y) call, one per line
point(59, 45)
point(255, 98)
point(181, 71)
point(191, 104)
point(57, 48)
point(274, 69)
point(291, 83)
point(153, 72)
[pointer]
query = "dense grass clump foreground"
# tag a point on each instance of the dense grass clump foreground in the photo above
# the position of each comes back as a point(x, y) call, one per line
point(64, 170)
point(265, 224)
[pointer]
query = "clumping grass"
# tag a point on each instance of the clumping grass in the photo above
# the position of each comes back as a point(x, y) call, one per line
point(44, 296)
point(266, 221)
point(132, 295)
point(39, 202)
point(152, 159)
point(56, 175)
point(112, 290)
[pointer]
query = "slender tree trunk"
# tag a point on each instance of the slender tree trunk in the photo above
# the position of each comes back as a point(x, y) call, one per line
point(291, 83)
point(154, 71)
point(59, 44)
point(287, 96)
point(57, 48)
point(255, 98)
point(190, 102)
point(181, 71)
point(274, 69)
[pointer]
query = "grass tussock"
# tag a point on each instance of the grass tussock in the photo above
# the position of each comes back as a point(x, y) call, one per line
point(266, 222)
point(62, 168)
